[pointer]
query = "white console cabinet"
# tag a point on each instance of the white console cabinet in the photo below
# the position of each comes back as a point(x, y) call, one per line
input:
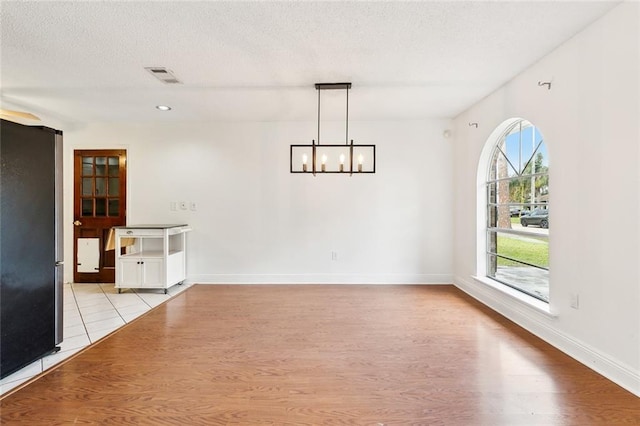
point(150, 256)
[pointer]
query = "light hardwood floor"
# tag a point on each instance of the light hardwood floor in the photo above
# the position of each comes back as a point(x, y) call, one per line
point(91, 311)
point(313, 355)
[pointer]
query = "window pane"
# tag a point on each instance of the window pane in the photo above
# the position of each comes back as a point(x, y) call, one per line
point(508, 200)
point(87, 186)
point(520, 190)
point(101, 166)
point(531, 192)
point(514, 263)
point(511, 149)
point(87, 207)
point(542, 159)
point(492, 193)
point(101, 186)
point(87, 166)
point(493, 174)
point(498, 214)
point(114, 207)
point(533, 249)
point(114, 187)
point(527, 279)
point(501, 168)
point(534, 155)
point(101, 206)
point(113, 166)
point(541, 191)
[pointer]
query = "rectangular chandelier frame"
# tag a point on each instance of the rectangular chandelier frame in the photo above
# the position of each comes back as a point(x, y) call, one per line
point(351, 164)
point(360, 159)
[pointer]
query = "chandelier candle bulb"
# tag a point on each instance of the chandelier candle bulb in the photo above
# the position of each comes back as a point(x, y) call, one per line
point(324, 163)
point(342, 162)
point(360, 160)
point(304, 162)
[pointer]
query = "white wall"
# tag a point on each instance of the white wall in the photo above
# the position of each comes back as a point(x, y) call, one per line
point(256, 222)
point(590, 120)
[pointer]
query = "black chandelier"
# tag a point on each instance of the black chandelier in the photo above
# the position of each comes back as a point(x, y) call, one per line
point(333, 158)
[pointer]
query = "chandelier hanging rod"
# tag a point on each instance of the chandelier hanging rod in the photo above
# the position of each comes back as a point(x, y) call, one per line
point(334, 86)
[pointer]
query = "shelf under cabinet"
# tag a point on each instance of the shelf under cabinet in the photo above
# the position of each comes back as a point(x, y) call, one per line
point(150, 254)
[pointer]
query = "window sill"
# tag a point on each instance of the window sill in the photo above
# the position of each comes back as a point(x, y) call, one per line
point(522, 298)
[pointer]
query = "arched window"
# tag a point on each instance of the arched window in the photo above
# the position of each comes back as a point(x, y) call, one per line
point(517, 203)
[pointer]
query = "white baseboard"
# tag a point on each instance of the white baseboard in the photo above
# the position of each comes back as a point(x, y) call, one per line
point(542, 326)
point(321, 279)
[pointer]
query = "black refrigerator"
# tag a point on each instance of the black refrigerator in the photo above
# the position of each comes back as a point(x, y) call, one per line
point(31, 289)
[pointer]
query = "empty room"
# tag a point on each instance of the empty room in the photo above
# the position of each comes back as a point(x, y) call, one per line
point(320, 212)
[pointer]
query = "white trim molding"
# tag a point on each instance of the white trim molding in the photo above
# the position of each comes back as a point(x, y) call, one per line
point(321, 279)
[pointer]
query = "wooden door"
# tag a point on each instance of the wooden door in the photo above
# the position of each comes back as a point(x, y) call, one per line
point(99, 203)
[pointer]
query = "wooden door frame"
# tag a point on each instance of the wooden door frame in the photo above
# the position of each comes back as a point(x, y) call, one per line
point(105, 274)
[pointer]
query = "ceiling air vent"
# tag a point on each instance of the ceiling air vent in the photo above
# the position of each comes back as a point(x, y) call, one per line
point(164, 75)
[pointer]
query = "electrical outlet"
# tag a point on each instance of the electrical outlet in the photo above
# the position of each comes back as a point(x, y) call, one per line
point(575, 301)
point(192, 206)
point(334, 255)
point(173, 206)
point(183, 205)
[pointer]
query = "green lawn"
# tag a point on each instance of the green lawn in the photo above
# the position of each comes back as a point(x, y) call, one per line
point(527, 251)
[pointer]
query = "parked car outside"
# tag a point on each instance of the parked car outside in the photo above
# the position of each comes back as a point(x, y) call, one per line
point(538, 217)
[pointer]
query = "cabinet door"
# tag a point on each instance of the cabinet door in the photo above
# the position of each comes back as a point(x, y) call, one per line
point(129, 273)
point(153, 273)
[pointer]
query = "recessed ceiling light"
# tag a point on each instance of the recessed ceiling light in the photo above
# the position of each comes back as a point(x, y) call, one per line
point(163, 107)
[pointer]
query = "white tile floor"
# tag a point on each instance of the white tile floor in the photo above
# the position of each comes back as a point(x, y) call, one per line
point(91, 311)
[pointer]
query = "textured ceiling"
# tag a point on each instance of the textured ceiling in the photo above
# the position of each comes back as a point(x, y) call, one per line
point(84, 61)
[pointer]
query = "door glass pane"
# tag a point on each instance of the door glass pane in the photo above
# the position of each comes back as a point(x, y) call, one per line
point(101, 186)
point(87, 186)
point(101, 166)
point(113, 166)
point(87, 207)
point(114, 186)
point(101, 206)
point(114, 207)
point(87, 166)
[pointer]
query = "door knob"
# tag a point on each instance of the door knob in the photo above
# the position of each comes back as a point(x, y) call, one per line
point(77, 223)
